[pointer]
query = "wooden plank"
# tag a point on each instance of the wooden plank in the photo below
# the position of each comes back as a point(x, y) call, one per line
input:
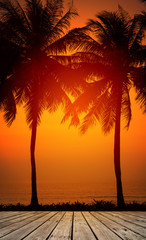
point(140, 214)
point(24, 231)
point(102, 232)
point(8, 214)
point(125, 223)
point(117, 228)
point(129, 218)
point(64, 228)
point(6, 230)
point(81, 230)
point(46, 229)
point(15, 219)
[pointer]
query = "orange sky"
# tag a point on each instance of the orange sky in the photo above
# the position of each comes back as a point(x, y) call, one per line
point(62, 153)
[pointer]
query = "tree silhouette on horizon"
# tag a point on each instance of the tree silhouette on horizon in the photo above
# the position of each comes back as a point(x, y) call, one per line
point(36, 76)
point(113, 61)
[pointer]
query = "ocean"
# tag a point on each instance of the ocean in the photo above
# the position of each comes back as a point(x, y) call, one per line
point(71, 191)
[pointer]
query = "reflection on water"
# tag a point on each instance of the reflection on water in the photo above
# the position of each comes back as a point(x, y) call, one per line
point(58, 192)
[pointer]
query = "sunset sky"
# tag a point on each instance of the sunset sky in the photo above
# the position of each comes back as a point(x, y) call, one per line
point(65, 154)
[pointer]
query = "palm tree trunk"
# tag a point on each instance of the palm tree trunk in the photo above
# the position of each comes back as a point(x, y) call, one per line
point(34, 198)
point(120, 197)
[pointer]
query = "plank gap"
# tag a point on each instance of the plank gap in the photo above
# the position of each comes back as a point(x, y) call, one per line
point(107, 226)
point(90, 226)
point(55, 226)
point(22, 225)
point(11, 216)
point(39, 225)
point(19, 220)
point(72, 226)
point(124, 219)
point(122, 225)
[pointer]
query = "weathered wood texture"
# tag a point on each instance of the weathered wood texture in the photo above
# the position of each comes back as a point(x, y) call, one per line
point(72, 225)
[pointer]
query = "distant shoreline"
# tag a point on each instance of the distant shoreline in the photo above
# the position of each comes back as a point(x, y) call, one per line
point(76, 206)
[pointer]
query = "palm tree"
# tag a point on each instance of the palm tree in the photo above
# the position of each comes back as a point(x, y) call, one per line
point(37, 77)
point(111, 61)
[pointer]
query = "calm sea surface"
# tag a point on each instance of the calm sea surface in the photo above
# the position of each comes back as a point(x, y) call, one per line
point(58, 192)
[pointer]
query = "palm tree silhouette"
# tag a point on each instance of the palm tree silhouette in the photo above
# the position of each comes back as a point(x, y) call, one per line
point(111, 62)
point(36, 77)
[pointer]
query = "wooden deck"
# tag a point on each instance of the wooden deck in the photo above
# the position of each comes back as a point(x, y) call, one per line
point(73, 225)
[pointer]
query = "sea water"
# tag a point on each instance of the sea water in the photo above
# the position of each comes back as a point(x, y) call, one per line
point(69, 191)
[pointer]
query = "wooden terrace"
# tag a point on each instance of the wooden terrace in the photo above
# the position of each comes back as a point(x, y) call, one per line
point(102, 225)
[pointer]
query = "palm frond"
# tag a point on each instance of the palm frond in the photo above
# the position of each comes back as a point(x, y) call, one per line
point(141, 98)
point(138, 76)
point(139, 56)
point(108, 117)
point(124, 15)
point(89, 120)
point(86, 102)
point(56, 97)
point(138, 31)
point(24, 16)
point(97, 113)
point(34, 107)
point(64, 22)
point(76, 39)
point(90, 94)
point(8, 106)
point(13, 19)
point(126, 106)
